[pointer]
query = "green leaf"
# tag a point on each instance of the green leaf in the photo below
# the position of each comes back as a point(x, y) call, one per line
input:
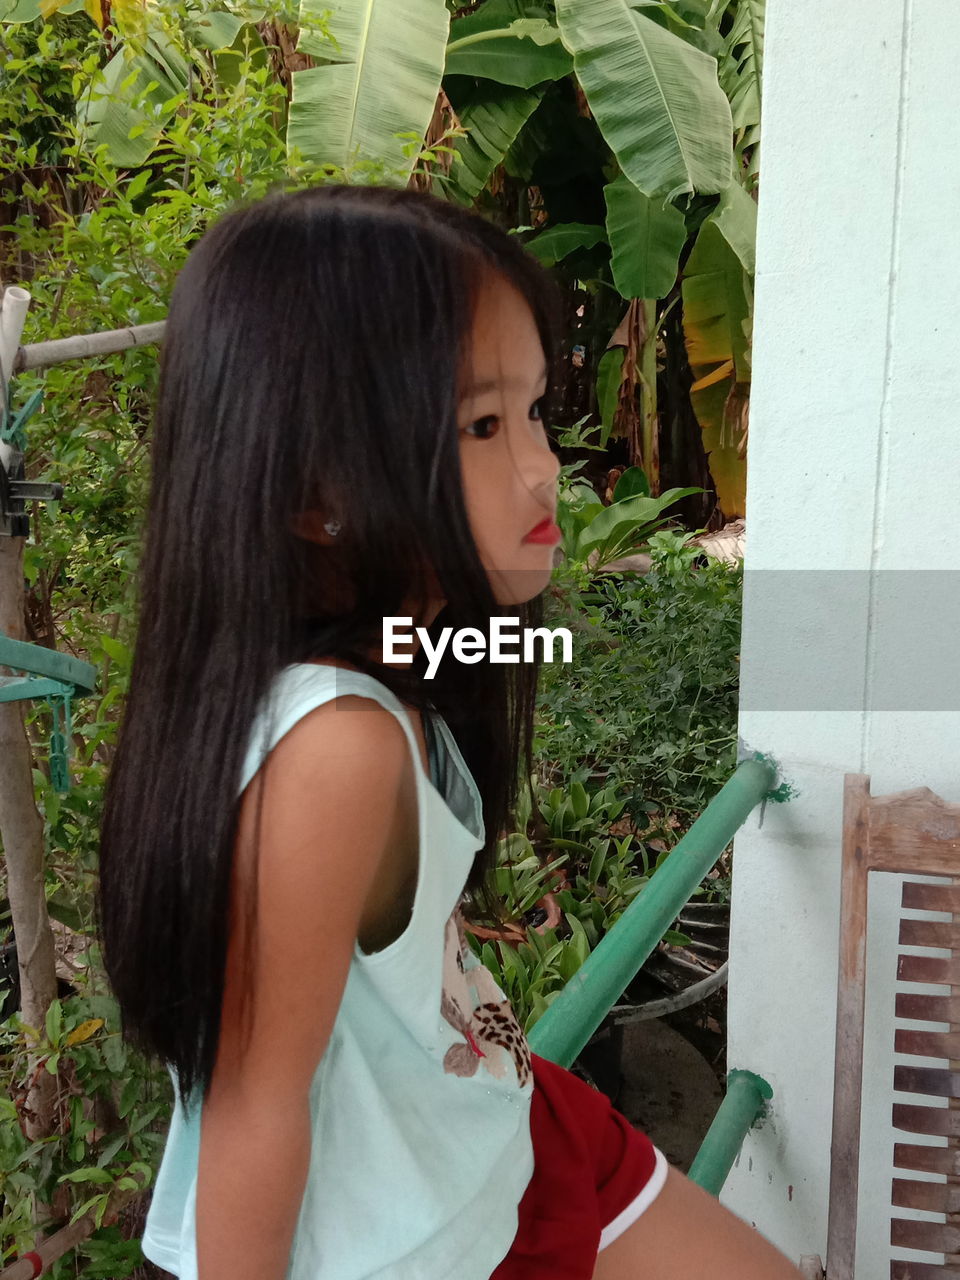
point(128, 1095)
point(537, 943)
point(58, 908)
point(596, 864)
point(513, 967)
point(88, 1174)
point(101, 1201)
point(109, 1151)
point(143, 1170)
point(576, 845)
point(579, 800)
point(555, 243)
point(736, 220)
point(493, 116)
point(54, 1022)
point(613, 525)
point(137, 185)
point(538, 1008)
point(674, 938)
point(19, 10)
point(579, 942)
point(121, 654)
point(217, 30)
point(646, 238)
point(632, 482)
point(523, 54)
point(383, 64)
point(494, 15)
point(657, 99)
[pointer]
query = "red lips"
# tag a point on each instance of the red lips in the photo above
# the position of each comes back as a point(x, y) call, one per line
point(545, 531)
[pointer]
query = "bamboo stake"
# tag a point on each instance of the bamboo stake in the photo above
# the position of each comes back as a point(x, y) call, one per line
point(41, 355)
point(13, 313)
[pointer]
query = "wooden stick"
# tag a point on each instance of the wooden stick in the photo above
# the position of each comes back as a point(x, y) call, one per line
point(66, 1238)
point(41, 355)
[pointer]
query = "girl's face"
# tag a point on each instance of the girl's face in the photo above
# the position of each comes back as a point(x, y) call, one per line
point(509, 471)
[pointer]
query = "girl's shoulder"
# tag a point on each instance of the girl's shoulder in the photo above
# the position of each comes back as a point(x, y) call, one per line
point(330, 673)
point(302, 687)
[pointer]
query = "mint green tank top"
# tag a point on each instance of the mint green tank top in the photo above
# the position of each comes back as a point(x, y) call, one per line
point(420, 1104)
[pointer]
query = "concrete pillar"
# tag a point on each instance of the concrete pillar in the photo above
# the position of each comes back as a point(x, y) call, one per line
point(851, 639)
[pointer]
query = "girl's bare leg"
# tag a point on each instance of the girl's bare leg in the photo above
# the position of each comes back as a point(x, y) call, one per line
point(687, 1233)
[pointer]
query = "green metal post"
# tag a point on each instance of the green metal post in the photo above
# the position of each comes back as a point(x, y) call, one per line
point(745, 1101)
point(572, 1018)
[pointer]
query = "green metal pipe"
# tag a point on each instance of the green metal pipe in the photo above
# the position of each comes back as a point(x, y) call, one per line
point(572, 1018)
point(744, 1102)
point(41, 661)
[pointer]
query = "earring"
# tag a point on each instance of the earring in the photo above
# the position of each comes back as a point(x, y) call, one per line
point(333, 527)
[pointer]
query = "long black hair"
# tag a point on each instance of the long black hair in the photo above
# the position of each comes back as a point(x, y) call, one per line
point(311, 360)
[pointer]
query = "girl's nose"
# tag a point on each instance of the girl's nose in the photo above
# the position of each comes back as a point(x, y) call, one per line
point(539, 468)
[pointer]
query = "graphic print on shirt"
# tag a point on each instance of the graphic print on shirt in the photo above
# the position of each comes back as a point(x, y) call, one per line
point(473, 1004)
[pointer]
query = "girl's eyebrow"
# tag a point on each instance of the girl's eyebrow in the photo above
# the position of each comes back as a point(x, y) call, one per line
point(492, 384)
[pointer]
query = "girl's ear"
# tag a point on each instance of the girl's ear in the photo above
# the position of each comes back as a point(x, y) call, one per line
point(310, 525)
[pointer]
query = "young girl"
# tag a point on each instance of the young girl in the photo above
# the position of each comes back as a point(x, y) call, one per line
point(351, 429)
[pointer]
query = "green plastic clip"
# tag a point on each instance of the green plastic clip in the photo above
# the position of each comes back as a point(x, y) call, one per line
point(12, 427)
point(59, 754)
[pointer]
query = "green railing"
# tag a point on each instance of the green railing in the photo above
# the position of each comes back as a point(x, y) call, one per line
point(573, 1017)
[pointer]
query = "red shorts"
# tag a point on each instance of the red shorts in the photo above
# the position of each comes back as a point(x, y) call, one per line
point(594, 1174)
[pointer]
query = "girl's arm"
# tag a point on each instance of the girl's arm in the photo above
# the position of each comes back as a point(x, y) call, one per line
point(687, 1233)
point(328, 815)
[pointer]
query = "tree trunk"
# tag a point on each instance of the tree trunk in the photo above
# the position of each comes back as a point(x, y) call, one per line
point(21, 833)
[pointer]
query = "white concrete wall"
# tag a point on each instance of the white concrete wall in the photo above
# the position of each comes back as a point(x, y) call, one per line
point(850, 654)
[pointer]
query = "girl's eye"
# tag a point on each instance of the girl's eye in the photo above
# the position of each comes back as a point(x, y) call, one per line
point(538, 405)
point(482, 422)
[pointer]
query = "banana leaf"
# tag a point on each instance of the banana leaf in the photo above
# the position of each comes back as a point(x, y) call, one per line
point(523, 53)
point(112, 111)
point(717, 316)
point(646, 237)
point(742, 69)
point(715, 301)
point(380, 73)
point(555, 243)
point(656, 98)
point(493, 115)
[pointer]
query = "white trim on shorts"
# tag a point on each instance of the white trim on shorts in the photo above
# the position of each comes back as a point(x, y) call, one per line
point(636, 1207)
